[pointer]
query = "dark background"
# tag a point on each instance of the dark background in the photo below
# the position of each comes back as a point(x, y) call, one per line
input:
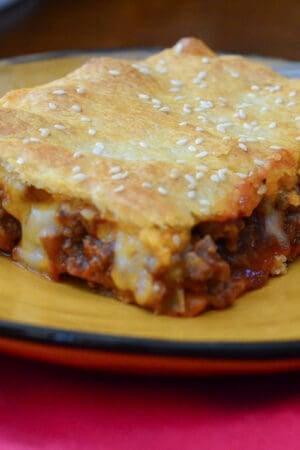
point(266, 27)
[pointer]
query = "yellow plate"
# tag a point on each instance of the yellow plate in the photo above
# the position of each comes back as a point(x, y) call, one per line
point(69, 324)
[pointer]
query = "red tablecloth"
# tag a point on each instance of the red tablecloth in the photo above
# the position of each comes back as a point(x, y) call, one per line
point(54, 408)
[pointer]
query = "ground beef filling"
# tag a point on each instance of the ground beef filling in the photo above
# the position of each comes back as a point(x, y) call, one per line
point(10, 231)
point(78, 252)
point(222, 261)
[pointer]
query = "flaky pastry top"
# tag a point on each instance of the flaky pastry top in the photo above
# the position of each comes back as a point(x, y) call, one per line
point(182, 137)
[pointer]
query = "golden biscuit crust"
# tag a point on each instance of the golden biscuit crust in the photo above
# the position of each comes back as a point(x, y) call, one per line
point(186, 132)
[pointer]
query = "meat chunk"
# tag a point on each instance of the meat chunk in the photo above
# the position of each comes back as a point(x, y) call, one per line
point(10, 231)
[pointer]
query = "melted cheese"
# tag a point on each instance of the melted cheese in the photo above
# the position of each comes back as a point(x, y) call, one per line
point(37, 219)
point(137, 258)
point(37, 223)
point(130, 271)
point(274, 227)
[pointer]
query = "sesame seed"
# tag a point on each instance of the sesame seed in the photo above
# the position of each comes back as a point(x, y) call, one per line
point(119, 188)
point(223, 101)
point(298, 138)
point(20, 160)
point(264, 109)
point(178, 98)
point(190, 179)
point(206, 104)
point(120, 176)
point(77, 154)
point(44, 132)
point(202, 167)
point(192, 148)
point(85, 119)
point(202, 154)
point(273, 125)
point(199, 175)
point(176, 83)
point(182, 141)
point(275, 88)
point(244, 105)
point(221, 127)
point(215, 178)
point(76, 108)
point(199, 140)
point(204, 202)
point(143, 144)
point(241, 114)
point(178, 48)
point(58, 92)
point(92, 131)
point(187, 109)
point(243, 147)
point(76, 169)
point(155, 101)
point(161, 190)
point(279, 100)
point(183, 124)
point(275, 147)
point(289, 104)
point(31, 139)
point(147, 185)
point(52, 105)
point(226, 138)
point(259, 162)
point(262, 190)
point(234, 74)
point(297, 118)
point(174, 174)
point(176, 240)
point(174, 89)
point(292, 94)
point(81, 90)
point(251, 95)
point(79, 177)
point(222, 173)
point(254, 87)
point(161, 69)
point(201, 75)
point(114, 169)
point(205, 59)
point(143, 96)
point(242, 175)
point(142, 69)
point(58, 126)
point(199, 129)
point(97, 151)
point(114, 72)
point(165, 109)
point(191, 194)
point(99, 145)
point(180, 161)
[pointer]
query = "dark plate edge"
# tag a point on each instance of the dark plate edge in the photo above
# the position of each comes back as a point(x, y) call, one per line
point(279, 65)
point(260, 350)
point(55, 54)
